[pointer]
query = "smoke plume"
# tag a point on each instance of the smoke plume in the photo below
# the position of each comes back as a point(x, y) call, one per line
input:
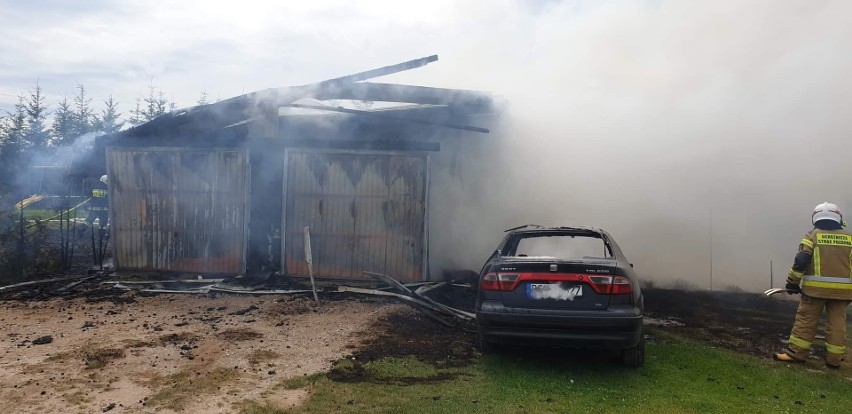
point(688, 130)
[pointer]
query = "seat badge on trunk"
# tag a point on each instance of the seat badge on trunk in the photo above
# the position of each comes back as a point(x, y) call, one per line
point(553, 268)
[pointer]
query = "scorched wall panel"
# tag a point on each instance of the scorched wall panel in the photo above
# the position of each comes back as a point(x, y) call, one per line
point(178, 210)
point(365, 211)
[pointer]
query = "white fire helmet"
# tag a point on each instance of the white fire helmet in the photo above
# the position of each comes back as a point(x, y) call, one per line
point(827, 211)
point(105, 179)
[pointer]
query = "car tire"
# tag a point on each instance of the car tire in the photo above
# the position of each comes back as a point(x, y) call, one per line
point(634, 357)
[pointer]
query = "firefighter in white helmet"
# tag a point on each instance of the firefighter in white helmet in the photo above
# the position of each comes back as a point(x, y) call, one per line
point(822, 273)
point(99, 203)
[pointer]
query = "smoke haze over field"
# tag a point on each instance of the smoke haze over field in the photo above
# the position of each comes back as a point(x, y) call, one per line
point(677, 126)
point(670, 125)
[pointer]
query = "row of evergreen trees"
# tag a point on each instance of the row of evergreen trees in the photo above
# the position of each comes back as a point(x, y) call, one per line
point(30, 124)
point(35, 126)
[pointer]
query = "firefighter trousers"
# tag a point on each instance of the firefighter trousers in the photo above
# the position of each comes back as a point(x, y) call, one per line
point(805, 329)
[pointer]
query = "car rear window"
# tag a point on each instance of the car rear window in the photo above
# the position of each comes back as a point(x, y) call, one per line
point(565, 247)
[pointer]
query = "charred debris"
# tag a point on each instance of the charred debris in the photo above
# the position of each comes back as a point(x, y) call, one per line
point(431, 298)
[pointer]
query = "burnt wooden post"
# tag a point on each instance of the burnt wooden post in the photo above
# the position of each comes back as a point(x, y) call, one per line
point(310, 260)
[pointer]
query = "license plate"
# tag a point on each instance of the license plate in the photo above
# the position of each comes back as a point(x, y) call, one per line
point(539, 291)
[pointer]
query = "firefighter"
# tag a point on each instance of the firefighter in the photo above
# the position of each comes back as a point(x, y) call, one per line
point(99, 204)
point(99, 209)
point(822, 274)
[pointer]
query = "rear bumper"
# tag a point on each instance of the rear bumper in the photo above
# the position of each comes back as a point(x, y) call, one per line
point(618, 329)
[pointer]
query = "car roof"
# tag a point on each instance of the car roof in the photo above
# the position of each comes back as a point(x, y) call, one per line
point(535, 228)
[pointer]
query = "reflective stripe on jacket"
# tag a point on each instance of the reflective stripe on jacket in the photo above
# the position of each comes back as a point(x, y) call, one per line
point(100, 199)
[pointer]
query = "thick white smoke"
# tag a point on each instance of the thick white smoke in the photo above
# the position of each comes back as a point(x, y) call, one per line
point(670, 124)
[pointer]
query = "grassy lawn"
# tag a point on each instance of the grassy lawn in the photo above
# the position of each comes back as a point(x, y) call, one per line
point(680, 376)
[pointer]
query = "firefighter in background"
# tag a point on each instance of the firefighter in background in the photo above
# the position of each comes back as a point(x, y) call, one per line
point(822, 274)
point(99, 204)
point(99, 209)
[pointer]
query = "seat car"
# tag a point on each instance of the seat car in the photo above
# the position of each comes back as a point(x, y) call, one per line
point(561, 287)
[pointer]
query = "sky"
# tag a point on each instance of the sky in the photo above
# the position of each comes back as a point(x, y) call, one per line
point(690, 130)
point(223, 48)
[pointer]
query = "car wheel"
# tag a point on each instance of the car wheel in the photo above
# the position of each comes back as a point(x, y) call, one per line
point(634, 357)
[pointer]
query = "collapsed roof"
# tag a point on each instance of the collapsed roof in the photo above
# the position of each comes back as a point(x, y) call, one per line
point(226, 123)
point(446, 106)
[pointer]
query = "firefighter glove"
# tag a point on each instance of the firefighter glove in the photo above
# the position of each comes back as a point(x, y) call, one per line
point(793, 288)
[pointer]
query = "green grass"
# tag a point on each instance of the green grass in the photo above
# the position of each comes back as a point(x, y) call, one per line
point(392, 369)
point(301, 382)
point(175, 391)
point(680, 376)
point(32, 214)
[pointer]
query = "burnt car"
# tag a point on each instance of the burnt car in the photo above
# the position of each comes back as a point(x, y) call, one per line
point(561, 287)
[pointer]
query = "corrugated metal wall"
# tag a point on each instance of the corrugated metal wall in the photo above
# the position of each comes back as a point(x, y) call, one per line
point(366, 212)
point(178, 210)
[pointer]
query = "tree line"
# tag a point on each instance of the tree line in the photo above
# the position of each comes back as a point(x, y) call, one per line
point(35, 126)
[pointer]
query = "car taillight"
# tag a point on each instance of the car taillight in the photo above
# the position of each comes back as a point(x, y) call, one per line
point(601, 284)
point(621, 286)
point(612, 285)
point(499, 281)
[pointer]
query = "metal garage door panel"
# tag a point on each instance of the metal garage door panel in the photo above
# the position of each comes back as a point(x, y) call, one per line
point(178, 210)
point(366, 212)
point(404, 216)
point(371, 230)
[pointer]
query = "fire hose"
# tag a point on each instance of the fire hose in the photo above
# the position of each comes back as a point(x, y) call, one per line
point(773, 291)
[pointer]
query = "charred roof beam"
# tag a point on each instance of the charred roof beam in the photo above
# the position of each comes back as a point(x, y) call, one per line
point(465, 101)
point(383, 71)
point(385, 116)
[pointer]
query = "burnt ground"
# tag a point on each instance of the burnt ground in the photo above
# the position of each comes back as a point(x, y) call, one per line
point(743, 322)
point(408, 332)
point(97, 346)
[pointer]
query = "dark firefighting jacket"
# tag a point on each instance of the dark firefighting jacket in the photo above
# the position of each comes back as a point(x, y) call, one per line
point(824, 264)
point(99, 201)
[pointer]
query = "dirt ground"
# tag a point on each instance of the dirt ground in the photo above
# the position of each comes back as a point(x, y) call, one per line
point(108, 350)
point(171, 353)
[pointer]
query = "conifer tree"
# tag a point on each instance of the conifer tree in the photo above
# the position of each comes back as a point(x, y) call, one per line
point(204, 99)
point(62, 131)
point(83, 114)
point(13, 144)
point(36, 135)
point(18, 122)
point(137, 115)
point(5, 127)
point(155, 103)
point(109, 121)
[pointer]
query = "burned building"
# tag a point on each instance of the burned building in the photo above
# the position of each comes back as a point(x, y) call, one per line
point(229, 188)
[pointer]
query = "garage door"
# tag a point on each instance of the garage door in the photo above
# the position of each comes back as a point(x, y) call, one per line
point(178, 210)
point(365, 211)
